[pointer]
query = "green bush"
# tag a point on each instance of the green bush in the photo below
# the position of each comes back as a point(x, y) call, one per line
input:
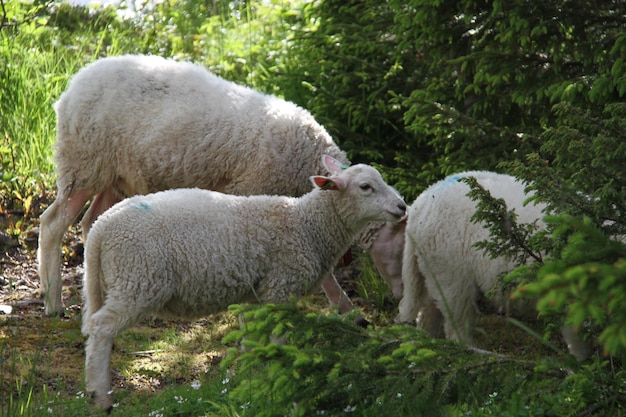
point(330, 366)
point(579, 172)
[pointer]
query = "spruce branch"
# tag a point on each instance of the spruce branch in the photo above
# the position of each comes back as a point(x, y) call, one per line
point(509, 238)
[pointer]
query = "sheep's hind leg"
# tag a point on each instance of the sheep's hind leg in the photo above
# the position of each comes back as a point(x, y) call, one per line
point(99, 204)
point(430, 319)
point(459, 318)
point(98, 368)
point(414, 291)
point(54, 222)
point(102, 328)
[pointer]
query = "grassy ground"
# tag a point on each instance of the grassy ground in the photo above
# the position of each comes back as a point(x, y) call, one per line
point(42, 357)
point(158, 365)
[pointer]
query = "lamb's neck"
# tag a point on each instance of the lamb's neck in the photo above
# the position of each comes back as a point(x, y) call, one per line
point(332, 225)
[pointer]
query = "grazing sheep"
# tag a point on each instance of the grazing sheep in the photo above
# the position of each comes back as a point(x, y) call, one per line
point(443, 274)
point(385, 244)
point(192, 252)
point(139, 124)
point(384, 241)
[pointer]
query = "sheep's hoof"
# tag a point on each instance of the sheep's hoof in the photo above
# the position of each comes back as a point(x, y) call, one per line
point(362, 321)
point(59, 313)
point(55, 313)
point(401, 320)
point(104, 402)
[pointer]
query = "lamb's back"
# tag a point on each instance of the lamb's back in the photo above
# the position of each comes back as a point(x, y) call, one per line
point(205, 249)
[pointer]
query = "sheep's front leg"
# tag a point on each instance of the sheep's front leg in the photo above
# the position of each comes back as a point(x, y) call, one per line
point(336, 295)
point(576, 345)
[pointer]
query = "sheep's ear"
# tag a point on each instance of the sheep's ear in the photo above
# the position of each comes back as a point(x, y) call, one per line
point(327, 183)
point(332, 165)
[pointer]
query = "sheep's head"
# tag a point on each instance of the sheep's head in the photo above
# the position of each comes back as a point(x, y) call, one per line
point(367, 194)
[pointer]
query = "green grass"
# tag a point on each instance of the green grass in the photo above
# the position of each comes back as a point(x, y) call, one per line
point(35, 67)
point(376, 291)
point(328, 365)
point(41, 364)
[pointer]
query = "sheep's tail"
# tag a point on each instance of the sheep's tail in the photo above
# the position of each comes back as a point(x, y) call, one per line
point(414, 292)
point(93, 288)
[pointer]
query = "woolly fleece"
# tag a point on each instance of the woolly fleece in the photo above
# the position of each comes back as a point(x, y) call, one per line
point(138, 124)
point(192, 252)
point(441, 267)
point(443, 274)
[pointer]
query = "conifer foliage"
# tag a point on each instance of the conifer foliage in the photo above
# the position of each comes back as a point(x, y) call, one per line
point(327, 365)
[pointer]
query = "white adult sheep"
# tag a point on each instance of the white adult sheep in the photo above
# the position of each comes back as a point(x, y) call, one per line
point(443, 274)
point(191, 252)
point(140, 124)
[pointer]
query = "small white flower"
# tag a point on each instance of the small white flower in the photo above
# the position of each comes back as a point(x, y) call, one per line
point(178, 399)
point(224, 391)
point(80, 394)
point(196, 384)
point(399, 395)
point(49, 410)
point(156, 413)
point(412, 365)
point(349, 409)
point(225, 381)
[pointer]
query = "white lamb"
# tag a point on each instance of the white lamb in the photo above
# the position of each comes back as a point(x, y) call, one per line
point(139, 124)
point(443, 274)
point(192, 252)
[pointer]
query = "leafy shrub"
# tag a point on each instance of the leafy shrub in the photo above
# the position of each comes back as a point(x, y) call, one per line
point(330, 366)
point(583, 184)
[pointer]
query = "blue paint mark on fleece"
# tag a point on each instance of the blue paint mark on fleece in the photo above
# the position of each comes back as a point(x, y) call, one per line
point(447, 181)
point(143, 206)
point(452, 178)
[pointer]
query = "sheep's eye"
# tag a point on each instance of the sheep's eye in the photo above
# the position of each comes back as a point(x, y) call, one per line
point(365, 187)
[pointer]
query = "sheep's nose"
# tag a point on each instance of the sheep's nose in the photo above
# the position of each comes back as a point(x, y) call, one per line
point(402, 206)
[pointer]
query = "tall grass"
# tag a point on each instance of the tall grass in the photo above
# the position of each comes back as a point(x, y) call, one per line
point(36, 63)
point(31, 80)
